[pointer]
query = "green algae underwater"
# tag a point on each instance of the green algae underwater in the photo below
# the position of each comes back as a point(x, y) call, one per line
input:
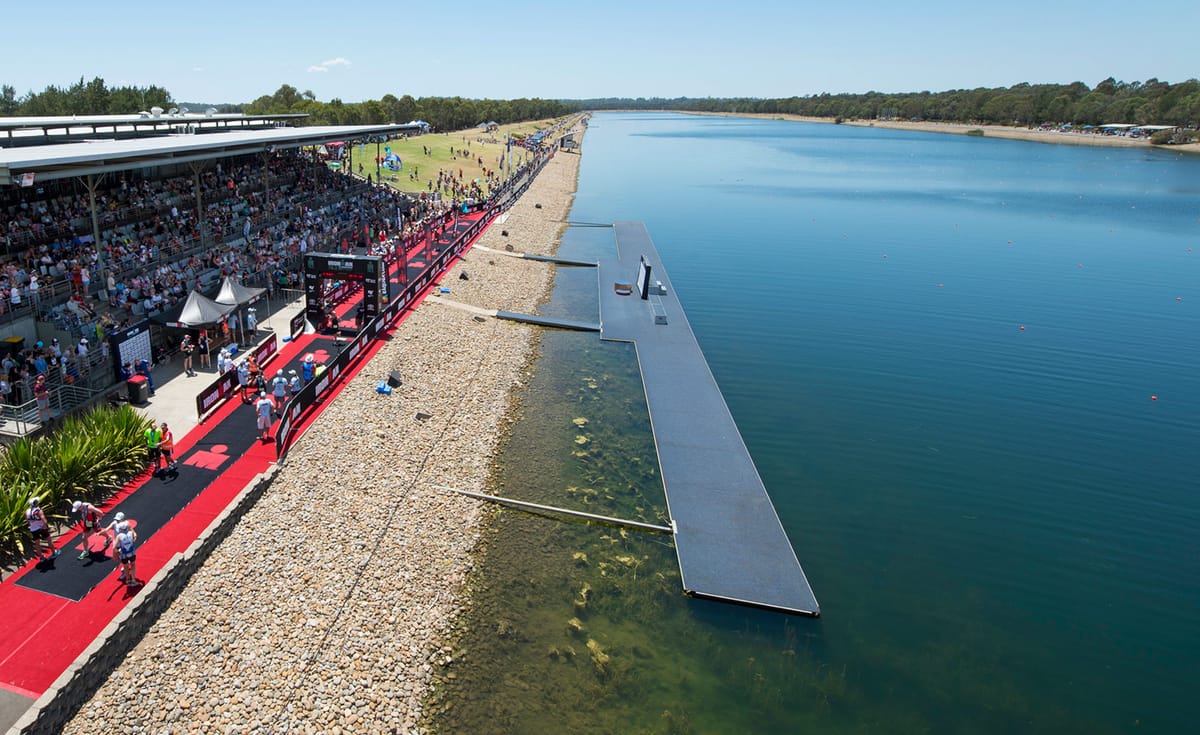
point(583, 627)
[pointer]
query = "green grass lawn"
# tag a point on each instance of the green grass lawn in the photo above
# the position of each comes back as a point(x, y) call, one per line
point(419, 168)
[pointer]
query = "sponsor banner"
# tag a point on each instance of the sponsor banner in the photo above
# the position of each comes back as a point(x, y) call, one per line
point(266, 349)
point(220, 389)
point(297, 325)
point(130, 345)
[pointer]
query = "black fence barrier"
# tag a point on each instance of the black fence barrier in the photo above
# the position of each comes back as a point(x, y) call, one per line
point(296, 327)
point(227, 384)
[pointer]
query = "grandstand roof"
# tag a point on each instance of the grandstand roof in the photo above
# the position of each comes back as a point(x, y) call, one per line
point(29, 164)
point(34, 130)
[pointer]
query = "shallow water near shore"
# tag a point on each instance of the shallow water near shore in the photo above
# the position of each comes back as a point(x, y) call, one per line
point(942, 354)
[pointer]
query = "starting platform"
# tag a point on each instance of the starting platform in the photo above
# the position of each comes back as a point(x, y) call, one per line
point(728, 538)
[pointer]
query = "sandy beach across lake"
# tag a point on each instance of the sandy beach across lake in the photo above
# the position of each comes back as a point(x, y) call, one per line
point(324, 611)
point(989, 131)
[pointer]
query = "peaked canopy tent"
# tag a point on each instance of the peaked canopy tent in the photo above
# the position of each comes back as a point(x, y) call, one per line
point(197, 311)
point(233, 293)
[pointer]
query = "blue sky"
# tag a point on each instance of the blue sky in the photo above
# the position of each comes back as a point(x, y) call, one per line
point(220, 51)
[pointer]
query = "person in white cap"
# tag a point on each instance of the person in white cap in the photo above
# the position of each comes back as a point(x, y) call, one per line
point(264, 406)
point(279, 388)
point(111, 529)
point(90, 516)
point(293, 383)
point(127, 553)
point(40, 528)
point(251, 322)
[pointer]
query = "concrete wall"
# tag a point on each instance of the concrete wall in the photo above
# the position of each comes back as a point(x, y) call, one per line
point(54, 709)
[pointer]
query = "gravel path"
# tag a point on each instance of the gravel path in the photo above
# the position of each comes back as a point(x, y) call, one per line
point(324, 610)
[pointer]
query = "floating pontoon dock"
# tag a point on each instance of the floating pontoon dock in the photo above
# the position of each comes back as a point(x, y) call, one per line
point(730, 543)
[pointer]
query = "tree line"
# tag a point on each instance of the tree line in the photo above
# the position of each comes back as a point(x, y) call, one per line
point(1142, 103)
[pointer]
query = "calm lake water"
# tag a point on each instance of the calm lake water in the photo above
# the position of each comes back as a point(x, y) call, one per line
point(969, 373)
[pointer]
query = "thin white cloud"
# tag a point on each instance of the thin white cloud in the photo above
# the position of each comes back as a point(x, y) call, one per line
point(325, 66)
point(198, 69)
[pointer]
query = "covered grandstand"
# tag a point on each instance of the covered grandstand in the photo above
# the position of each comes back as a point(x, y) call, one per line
point(104, 231)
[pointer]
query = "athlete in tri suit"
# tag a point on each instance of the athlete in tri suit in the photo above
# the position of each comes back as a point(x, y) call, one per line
point(90, 516)
point(126, 539)
point(40, 528)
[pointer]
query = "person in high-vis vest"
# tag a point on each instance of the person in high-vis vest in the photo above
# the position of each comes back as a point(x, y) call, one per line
point(153, 440)
point(166, 445)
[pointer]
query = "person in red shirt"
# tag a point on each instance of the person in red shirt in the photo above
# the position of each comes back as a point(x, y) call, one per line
point(90, 516)
point(166, 445)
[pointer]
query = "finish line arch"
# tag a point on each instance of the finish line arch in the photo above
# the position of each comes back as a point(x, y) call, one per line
point(321, 268)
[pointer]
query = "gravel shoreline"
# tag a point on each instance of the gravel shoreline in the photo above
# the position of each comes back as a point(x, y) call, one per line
point(324, 611)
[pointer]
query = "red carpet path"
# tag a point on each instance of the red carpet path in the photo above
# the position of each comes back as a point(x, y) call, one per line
point(43, 634)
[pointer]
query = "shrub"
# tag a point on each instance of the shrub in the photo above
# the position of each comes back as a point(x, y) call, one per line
point(975, 133)
point(91, 454)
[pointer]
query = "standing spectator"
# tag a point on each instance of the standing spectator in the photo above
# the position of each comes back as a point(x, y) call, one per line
point(90, 516)
point(264, 407)
point(204, 348)
point(251, 323)
point(41, 391)
point(187, 348)
point(81, 350)
point(166, 445)
point(126, 538)
point(40, 528)
point(143, 368)
point(308, 367)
